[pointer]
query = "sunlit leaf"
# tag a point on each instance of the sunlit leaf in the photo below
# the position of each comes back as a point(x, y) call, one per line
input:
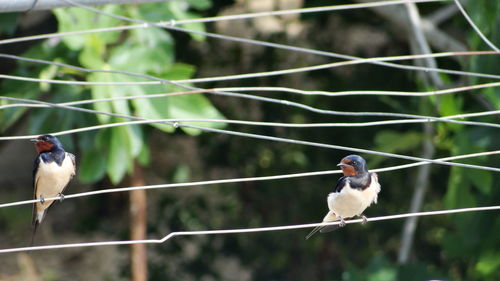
point(119, 154)
point(75, 19)
point(181, 13)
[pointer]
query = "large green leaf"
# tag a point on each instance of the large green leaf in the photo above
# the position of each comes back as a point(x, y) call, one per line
point(100, 92)
point(406, 142)
point(74, 19)
point(92, 166)
point(488, 264)
point(181, 12)
point(119, 156)
point(196, 107)
point(149, 51)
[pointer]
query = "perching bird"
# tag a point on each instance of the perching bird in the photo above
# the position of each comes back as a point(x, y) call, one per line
point(53, 170)
point(355, 191)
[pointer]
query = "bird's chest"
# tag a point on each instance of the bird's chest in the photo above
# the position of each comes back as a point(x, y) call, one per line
point(352, 202)
point(51, 178)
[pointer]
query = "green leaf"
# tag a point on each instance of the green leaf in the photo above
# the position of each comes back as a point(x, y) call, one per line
point(195, 107)
point(108, 91)
point(92, 166)
point(152, 38)
point(154, 12)
point(144, 156)
point(142, 59)
point(135, 137)
point(180, 12)
point(384, 141)
point(99, 92)
point(47, 73)
point(119, 154)
point(8, 23)
point(488, 263)
point(481, 179)
point(200, 4)
point(458, 194)
point(178, 71)
point(92, 53)
point(74, 19)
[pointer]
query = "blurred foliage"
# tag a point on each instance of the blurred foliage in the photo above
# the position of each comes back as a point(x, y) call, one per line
point(460, 247)
point(146, 51)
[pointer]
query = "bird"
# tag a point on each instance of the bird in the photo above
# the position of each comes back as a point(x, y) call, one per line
point(53, 170)
point(355, 191)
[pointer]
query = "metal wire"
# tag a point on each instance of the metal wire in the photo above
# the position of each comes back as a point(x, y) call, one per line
point(244, 230)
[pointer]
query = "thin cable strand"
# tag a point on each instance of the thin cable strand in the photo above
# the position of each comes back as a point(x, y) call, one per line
point(241, 76)
point(271, 89)
point(478, 31)
point(245, 230)
point(171, 26)
point(220, 18)
point(360, 93)
point(250, 123)
point(313, 109)
point(263, 137)
point(237, 180)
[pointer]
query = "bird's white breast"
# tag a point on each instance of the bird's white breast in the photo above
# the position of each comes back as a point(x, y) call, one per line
point(51, 178)
point(350, 202)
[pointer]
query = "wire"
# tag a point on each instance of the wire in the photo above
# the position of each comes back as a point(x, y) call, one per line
point(237, 180)
point(263, 137)
point(171, 26)
point(246, 122)
point(271, 89)
point(478, 31)
point(245, 230)
point(303, 106)
point(232, 94)
point(241, 76)
point(221, 18)
point(367, 93)
point(338, 64)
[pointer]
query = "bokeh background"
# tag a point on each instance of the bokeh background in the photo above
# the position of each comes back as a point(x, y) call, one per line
point(447, 247)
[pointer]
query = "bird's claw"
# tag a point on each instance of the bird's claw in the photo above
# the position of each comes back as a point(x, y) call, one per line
point(342, 222)
point(61, 197)
point(42, 199)
point(364, 219)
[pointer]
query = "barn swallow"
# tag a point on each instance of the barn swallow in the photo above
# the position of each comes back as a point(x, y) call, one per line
point(355, 192)
point(53, 170)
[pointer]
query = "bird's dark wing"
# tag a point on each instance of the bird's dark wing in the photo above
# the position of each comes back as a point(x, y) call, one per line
point(73, 159)
point(340, 184)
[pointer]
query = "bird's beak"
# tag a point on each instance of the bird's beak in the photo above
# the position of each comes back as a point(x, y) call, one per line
point(33, 140)
point(341, 165)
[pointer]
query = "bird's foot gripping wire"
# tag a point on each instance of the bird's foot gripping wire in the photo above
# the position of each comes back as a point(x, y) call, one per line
point(365, 220)
point(342, 222)
point(61, 197)
point(42, 199)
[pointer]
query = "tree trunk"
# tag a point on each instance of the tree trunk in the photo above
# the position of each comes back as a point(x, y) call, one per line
point(138, 219)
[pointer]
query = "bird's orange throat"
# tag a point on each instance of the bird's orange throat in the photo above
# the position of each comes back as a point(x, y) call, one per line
point(42, 146)
point(349, 171)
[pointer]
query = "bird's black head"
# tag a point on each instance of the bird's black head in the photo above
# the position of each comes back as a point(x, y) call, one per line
point(45, 143)
point(353, 165)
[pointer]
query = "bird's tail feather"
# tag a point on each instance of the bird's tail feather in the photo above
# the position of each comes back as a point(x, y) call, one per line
point(313, 231)
point(329, 228)
point(35, 226)
point(330, 217)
